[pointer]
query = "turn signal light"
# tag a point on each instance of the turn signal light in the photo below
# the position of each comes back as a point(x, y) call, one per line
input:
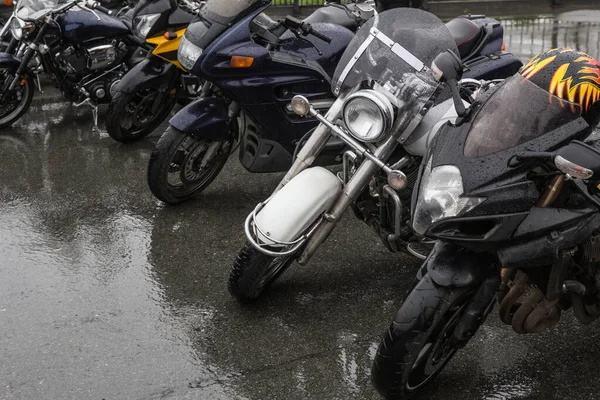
point(503, 47)
point(241, 62)
point(8, 3)
point(170, 35)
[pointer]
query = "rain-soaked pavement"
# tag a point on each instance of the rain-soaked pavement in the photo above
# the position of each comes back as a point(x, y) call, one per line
point(107, 294)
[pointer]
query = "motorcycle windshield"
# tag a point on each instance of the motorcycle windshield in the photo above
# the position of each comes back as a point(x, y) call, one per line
point(516, 113)
point(225, 11)
point(30, 10)
point(393, 51)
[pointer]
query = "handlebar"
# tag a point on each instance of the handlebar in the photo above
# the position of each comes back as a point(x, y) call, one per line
point(305, 28)
point(94, 5)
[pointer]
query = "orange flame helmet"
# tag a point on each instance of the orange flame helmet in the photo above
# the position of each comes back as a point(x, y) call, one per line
point(568, 74)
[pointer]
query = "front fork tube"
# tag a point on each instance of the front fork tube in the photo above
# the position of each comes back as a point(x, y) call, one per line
point(315, 143)
point(29, 53)
point(351, 191)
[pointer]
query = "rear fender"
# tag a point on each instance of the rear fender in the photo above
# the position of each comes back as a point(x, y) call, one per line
point(153, 71)
point(206, 118)
point(294, 208)
point(453, 266)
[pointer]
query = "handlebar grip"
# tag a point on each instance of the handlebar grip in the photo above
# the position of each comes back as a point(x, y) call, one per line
point(321, 36)
point(104, 10)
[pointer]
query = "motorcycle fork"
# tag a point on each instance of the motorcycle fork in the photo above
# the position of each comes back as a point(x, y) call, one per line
point(355, 186)
point(309, 152)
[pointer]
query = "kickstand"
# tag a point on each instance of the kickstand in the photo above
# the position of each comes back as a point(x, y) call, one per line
point(88, 102)
point(39, 84)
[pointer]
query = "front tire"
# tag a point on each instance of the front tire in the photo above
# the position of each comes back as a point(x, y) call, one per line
point(182, 165)
point(130, 116)
point(253, 273)
point(418, 344)
point(17, 102)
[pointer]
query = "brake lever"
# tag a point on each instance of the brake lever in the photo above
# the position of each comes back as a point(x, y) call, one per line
point(301, 37)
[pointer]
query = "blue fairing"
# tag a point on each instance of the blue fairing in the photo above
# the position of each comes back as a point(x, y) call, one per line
point(78, 25)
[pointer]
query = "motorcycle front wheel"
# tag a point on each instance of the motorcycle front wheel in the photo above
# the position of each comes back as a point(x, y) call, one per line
point(419, 344)
point(253, 272)
point(17, 102)
point(133, 116)
point(182, 165)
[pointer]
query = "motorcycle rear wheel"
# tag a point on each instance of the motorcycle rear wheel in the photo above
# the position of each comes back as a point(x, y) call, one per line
point(253, 273)
point(175, 170)
point(129, 116)
point(14, 106)
point(418, 344)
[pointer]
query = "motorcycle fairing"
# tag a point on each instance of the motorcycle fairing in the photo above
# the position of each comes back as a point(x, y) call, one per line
point(205, 118)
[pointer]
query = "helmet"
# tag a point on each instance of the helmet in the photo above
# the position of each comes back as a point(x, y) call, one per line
point(571, 75)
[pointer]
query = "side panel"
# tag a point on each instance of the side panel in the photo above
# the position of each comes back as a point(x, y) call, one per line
point(167, 49)
point(206, 118)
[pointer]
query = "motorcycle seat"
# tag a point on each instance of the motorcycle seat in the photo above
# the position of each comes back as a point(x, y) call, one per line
point(466, 34)
point(179, 18)
point(332, 15)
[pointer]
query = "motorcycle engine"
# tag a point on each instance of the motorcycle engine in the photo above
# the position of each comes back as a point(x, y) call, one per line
point(95, 68)
point(96, 56)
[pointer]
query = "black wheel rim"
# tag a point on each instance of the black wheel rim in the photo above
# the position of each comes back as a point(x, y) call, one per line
point(139, 114)
point(436, 352)
point(194, 163)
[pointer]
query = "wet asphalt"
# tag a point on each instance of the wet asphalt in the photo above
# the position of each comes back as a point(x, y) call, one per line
point(105, 293)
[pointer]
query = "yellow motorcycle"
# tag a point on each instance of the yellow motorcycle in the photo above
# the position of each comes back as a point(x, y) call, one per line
point(145, 96)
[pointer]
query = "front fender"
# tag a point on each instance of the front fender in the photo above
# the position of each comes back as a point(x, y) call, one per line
point(206, 118)
point(453, 266)
point(152, 71)
point(9, 60)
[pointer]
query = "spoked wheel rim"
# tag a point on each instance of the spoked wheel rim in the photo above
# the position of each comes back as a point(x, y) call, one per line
point(14, 102)
point(139, 115)
point(436, 352)
point(194, 163)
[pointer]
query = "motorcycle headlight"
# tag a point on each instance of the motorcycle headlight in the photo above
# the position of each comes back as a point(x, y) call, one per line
point(368, 115)
point(16, 28)
point(188, 53)
point(441, 197)
point(143, 24)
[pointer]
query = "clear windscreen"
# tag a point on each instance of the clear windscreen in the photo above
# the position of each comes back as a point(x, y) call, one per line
point(394, 51)
point(516, 113)
point(29, 10)
point(227, 9)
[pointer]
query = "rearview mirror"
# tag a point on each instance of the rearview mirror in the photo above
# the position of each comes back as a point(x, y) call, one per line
point(447, 67)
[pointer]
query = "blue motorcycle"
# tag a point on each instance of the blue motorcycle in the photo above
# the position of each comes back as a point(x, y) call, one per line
point(253, 67)
point(84, 49)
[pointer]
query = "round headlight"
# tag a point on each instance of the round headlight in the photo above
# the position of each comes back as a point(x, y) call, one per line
point(368, 115)
point(16, 28)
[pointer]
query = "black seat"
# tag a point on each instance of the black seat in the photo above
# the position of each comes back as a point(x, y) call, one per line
point(179, 18)
point(332, 15)
point(466, 34)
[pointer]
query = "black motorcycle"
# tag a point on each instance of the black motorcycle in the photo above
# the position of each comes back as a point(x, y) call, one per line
point(511, 194)
point(148, 92)
point(84, 51)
